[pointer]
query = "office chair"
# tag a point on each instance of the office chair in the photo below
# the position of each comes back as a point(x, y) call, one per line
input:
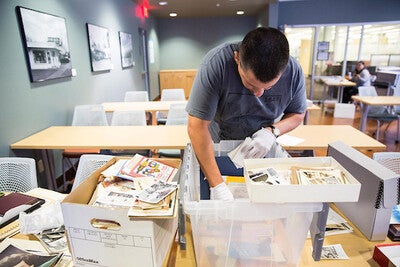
point(128, 118)
point(378, 113)
point(135, 96)
point(88, 163)
point(176, 94)
point(390, 160)
point(84, 115)
point(17, 174)
point(344, 110)
point(139, 96)
point(177, 115)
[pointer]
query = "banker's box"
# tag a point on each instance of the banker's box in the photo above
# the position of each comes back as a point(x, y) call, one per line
point(241, 232)
point(100, 236)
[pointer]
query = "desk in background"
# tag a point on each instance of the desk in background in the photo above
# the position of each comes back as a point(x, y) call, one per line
point(101, 137)
point(338, 82)
point(172, 136)
point(148, 106)
point(319, 136)
point(368, 101)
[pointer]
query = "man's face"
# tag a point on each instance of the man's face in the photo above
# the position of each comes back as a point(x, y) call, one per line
point(250, 81)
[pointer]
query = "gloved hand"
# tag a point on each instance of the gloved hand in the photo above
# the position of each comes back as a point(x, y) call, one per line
point(220, 192)
point(260, 145)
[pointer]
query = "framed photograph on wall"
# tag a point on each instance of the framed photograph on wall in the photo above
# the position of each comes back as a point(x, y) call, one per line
point(99, 46)
point(126, 47)
point(46, 46)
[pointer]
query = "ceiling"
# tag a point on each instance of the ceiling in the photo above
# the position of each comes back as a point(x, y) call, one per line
point(204, 8)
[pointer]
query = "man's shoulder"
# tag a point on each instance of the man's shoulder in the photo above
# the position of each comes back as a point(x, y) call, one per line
point(223, 50)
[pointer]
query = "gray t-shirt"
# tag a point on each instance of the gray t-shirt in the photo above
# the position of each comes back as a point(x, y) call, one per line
point(218, 95)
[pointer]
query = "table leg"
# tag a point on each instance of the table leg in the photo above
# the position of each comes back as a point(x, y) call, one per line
point(48, 164)
point(363, 119)
point(340, 94)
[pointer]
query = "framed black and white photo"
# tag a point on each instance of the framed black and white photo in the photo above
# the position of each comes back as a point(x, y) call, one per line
point(46, 45)
point(126, 47)
point(99, 46)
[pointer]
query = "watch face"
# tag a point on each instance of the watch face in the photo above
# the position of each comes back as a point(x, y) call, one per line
point(276, 131)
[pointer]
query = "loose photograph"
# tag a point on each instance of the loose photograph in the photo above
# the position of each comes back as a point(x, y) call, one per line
point(45, 41)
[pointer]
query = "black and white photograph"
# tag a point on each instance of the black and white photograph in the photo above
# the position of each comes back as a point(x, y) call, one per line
point(46, 45)
point(125, 42)
point(100, 49)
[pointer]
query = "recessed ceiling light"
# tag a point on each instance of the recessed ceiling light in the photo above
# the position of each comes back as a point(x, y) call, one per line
point(163, 3)
point(218, 5)
point(240, 12)
point(173, 14)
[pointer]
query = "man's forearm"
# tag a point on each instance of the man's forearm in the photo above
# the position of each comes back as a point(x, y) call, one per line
point(204, 149)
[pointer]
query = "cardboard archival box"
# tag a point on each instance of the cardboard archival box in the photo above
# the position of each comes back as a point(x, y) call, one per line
point(300, 193)
point(371, 214)
point(99, 236)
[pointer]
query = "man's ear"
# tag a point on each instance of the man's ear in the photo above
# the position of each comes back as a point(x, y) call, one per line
point(236, 56)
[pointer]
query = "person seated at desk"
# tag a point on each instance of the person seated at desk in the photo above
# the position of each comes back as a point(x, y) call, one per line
point(362, 77)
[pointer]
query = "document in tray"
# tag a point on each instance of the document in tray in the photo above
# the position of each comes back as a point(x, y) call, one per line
point(140, 166)
point(14, 203)
point(165, 208)
point(157, 192)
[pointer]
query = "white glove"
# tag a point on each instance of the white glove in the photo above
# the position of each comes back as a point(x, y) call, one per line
point(220, 192)
point(260, 145)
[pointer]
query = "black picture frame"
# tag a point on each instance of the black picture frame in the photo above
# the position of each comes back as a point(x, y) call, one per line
point(45, 41)
point(99, 47)
point(126, 48)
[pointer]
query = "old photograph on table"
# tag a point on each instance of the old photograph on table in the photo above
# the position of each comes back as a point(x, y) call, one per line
point(125, 41)
point(100, 48)
point(46, 46)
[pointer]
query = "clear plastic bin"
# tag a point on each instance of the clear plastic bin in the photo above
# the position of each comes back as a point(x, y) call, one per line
point(239, 232)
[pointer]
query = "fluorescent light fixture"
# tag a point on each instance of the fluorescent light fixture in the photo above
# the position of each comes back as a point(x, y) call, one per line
point(173, 14)
point(240, 12)
point(163, 3)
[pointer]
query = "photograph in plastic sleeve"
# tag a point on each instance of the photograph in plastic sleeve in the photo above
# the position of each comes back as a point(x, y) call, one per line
point(54, 240)
point(156, 192)
point(321, 176)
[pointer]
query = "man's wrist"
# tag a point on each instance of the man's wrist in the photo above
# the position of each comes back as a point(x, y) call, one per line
point(274, 130)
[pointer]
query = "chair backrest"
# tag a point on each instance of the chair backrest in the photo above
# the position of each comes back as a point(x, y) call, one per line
point(88, 163)
point(173, 94)
point(390, 160)
point(343, 110)
point(89, 115)
point(17, 174)
point(177, 115)
point(135, 96)
point(128, 117)
point(370, 91)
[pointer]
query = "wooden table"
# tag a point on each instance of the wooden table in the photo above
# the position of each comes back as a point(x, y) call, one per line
point(337, 81)
point(319, 136)
point(368, 101)
point(148, 106)
point(101, 137)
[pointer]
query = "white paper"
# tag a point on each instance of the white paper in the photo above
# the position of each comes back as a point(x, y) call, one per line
point(287, 140)
point(237, 156)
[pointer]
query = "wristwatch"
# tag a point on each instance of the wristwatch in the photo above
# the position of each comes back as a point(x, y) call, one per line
point(275, 131)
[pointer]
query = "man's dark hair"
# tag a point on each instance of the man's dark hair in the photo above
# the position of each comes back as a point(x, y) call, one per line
point(265, 51)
